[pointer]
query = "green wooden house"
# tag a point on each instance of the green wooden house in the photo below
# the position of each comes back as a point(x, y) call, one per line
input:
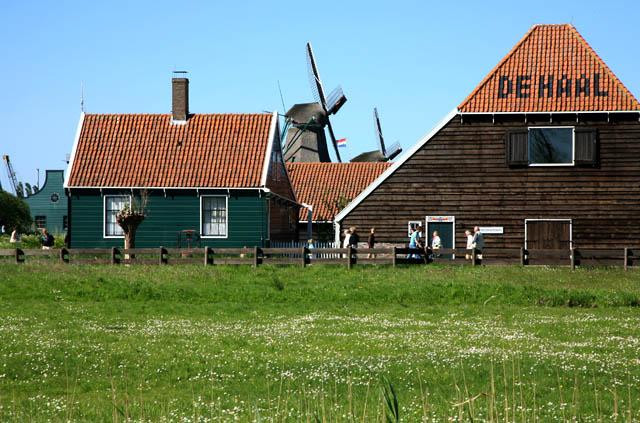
point(49, 205)
point(211, 179)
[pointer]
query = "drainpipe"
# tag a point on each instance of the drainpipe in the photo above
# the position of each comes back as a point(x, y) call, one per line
point(336, 233)
point(309, 208)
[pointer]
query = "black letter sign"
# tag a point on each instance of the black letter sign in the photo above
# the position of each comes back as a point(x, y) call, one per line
point(582, 86)
point(596, 86)
point(564, 86)
point(522, 88)
point(548, 86)
point(502, 93)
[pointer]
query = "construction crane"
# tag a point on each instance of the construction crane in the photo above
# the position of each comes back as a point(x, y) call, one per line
point(12, 174)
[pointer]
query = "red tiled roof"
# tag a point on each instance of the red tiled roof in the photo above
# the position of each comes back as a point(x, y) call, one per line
point(550, 52)
point(148, 150)
point(322, 185)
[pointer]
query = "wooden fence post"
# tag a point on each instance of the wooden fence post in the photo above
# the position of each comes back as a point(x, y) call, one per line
point(305, 252)
point(163, 259)
point(114, 255)
point(474, 257)
point(394, 255)
point(522, 257)
point(256, 260)
point(19, 256)
point(349, 263)
point(64, 255)
point(626, 259)
point(573, 258)
point(207, 251)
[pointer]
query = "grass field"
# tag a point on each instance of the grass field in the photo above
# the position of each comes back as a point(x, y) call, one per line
point(188, 343)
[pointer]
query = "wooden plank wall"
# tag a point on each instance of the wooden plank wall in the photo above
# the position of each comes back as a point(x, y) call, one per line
point(462, 172)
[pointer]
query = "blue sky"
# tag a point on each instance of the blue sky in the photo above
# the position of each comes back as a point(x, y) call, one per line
point(415, 61)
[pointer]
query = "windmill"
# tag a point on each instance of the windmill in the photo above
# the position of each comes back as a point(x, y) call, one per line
point(306, 140)
point(382, 154)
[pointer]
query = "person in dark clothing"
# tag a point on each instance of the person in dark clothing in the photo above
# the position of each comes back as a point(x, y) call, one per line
point(355, 238)
point(371, 241)
point(46, 240)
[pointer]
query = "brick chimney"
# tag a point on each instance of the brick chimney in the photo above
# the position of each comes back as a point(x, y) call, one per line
point(180, 97)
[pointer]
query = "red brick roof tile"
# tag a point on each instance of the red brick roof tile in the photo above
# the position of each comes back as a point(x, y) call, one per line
point(148, 150)
point(550, 51)
point(323, 184)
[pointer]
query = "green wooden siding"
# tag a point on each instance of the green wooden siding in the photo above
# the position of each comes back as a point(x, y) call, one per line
point(167, 216)
point(40, 203)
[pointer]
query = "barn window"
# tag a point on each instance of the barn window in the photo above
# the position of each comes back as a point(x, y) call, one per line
point(551, 146)
point(41, 222)
point(213, 216)
point(112, 205)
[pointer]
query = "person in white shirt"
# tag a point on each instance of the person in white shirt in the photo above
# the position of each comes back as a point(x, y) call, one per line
point(15, 236)
point(469, 243)
point(436, 243)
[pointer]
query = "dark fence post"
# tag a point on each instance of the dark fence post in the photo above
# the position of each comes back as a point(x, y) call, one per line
point(305, 253)
point(163, 259)
point(626, 258)
point(19, 256)
point(207, 252)
point(394, 255)
point(523, 260)
point(256, 260)
point(64, 255)
point(474, 257)
point(114, 255)
point(349, 263)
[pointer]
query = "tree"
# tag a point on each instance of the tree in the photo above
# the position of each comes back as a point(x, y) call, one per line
point(20, 190)
point(14, 213)
point(130, 217)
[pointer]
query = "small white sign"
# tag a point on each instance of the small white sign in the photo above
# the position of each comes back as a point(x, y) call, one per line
point(440, 219)
point(492, 229)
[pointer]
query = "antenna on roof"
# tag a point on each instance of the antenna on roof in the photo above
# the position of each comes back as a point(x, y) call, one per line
point(82, 96)
point(281, 97)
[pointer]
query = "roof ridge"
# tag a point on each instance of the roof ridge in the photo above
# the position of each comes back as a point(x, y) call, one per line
point(596, 56)
point(488, 77)
point(169, 114)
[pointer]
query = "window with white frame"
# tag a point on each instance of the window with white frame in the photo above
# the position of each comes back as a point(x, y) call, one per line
point(551, 146)
point(112, 205)
point(213, 216)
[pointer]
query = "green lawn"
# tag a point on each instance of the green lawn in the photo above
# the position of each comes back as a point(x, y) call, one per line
point(189, 343)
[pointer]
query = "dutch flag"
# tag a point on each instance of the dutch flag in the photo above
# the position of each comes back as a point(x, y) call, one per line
point(342, 142)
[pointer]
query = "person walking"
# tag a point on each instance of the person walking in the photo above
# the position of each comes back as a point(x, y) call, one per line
point(414, 241)
point(371, 241)
point(478, 242)
point(469, 243)
point(15, 236)
point(347, 239)
point(354, 239)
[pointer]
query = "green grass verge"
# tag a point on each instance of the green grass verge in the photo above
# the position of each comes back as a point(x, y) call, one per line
point(318, 344)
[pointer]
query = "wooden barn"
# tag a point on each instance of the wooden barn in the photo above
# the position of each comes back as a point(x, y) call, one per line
point(542, 154)
point(48, 206)
point(325, 188)
point(211, 179)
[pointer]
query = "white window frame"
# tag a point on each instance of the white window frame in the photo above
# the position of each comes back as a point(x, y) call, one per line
point(549, 220)
point(573, 146)
point(104, 215)
point(450, 219)
point(226, 202)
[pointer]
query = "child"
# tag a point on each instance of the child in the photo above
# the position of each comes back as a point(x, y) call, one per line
point(436, 243)
point(470, 245)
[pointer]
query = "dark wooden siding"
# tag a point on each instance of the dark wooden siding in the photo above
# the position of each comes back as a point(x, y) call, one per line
point(180, 209)
point(462, 172)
